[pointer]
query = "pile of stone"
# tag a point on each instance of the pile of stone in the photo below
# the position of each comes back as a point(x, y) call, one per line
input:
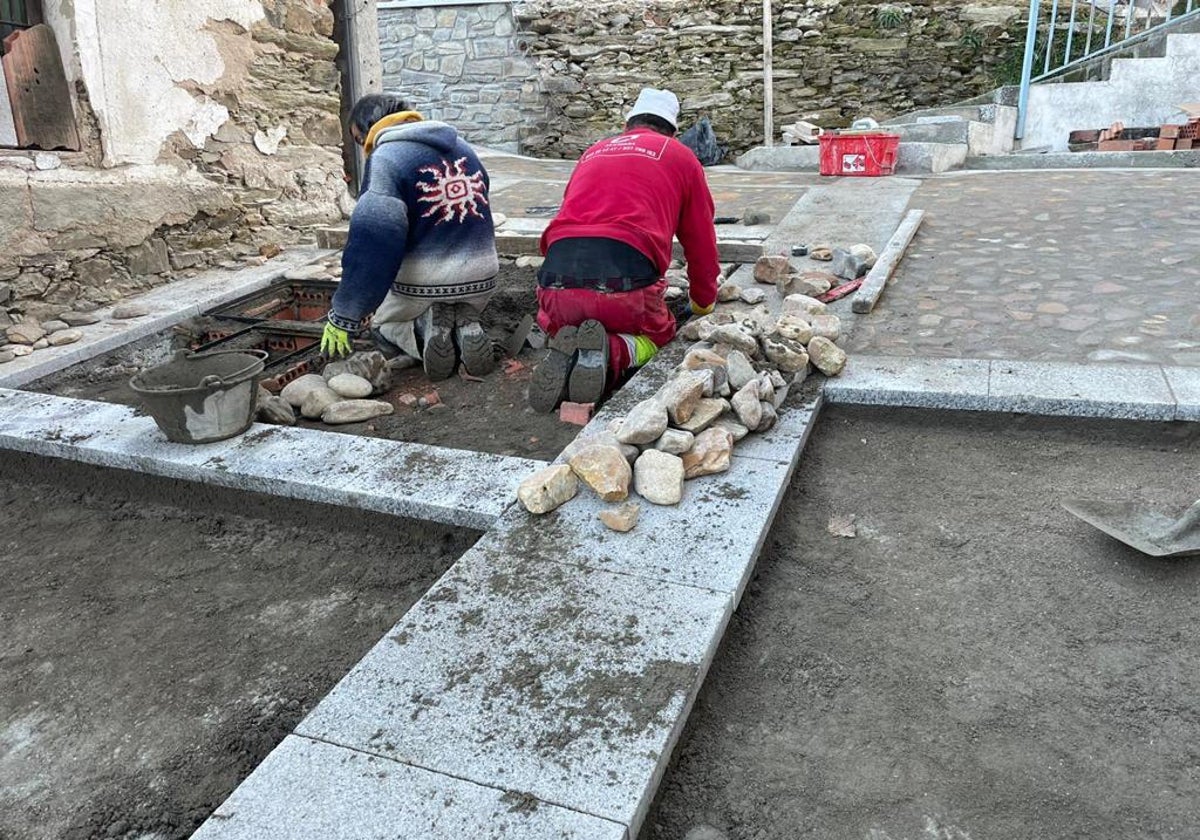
point(337, 396)
point(731, 383)
point(30, 335)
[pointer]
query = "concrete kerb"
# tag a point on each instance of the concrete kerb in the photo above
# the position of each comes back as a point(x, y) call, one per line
point(556, 660)
point(167, 305)
point(1113, 391)
point(448, 486)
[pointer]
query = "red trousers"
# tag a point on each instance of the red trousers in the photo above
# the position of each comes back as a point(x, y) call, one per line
point(640, 312)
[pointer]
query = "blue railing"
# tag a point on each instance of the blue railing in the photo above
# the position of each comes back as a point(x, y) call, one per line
point(1075, 31)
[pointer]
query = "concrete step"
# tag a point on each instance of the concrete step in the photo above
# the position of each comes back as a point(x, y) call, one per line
point(920, 158)
point(1183, 45)
point(980, 138)
point(1188, 159)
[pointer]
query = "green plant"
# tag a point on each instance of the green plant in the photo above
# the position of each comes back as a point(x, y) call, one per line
point(972, 40)
point(889, 17)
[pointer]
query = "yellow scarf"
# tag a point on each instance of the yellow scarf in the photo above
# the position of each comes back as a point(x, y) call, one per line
point(387, 122)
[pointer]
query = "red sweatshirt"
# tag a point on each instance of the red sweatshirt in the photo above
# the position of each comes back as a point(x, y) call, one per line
point(642, 188)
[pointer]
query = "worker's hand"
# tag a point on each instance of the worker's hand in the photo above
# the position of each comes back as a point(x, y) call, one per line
point(697, 309)
point(335, 342)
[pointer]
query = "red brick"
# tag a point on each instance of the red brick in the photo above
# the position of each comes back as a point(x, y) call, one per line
point(577, 413)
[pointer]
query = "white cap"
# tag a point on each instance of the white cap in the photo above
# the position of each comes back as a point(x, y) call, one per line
point(660, 103)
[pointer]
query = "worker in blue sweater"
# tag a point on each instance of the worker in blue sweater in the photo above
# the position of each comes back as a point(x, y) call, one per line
point(421, 256)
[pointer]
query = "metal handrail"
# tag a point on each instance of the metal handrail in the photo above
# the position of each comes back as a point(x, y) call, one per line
point(1042, 35)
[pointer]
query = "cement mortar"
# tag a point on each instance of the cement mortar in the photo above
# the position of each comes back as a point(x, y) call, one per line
point(974, 663)
point(159, 638)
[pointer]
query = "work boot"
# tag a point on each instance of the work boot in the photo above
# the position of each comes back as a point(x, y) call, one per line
point(548, 387)
point(474, 345)
point(437, 342)
point(589, 376)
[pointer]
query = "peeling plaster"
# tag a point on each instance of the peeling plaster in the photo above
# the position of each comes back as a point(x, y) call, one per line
point(139, 61)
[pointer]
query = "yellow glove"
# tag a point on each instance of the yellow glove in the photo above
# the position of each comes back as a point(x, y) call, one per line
point(697, 309)
point(335, 342)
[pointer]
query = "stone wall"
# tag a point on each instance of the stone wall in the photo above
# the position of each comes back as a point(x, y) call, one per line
point(834, 61)
point(212, 136)
point(564, 75)
point(465, 65)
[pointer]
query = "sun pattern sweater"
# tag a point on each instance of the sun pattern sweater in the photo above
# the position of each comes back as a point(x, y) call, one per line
point(422, 227)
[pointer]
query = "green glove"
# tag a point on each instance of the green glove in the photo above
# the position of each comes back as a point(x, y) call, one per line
point(335, 342)
point(697, 309)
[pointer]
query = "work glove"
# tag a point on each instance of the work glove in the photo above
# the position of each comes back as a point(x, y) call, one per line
point(335, 342)
point(697, 309)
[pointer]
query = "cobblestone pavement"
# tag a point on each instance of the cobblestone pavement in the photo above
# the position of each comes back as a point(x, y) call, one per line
point(1100, 266)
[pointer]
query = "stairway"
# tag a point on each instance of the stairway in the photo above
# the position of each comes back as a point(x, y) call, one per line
point(939, 139)
point(1140, 92)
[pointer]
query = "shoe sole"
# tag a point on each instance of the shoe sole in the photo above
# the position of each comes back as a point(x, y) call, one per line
point(439, 359)
point(477, 355)
point(548, 387)
point(589, 376)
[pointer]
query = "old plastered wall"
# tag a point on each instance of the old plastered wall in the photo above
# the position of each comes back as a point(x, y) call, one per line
point(211, 129)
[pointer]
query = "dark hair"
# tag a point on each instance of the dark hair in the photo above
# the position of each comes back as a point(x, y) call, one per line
point(373, 107)
point(651, 122)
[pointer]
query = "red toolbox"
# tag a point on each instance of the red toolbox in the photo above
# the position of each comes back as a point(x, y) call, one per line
point(862, 154)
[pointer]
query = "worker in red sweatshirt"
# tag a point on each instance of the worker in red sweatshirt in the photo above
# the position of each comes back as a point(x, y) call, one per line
point(601, 288)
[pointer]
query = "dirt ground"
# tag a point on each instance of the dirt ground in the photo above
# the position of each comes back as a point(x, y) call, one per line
point(483, 416)
point(975, 664)
point(157, 639)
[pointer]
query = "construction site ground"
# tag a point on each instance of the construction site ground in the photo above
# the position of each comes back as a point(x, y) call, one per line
point(850, 669)
point(974, 663)
point(160, 638)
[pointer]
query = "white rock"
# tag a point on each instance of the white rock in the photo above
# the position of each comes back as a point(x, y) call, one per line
point(728, 292)
point(28, 331)
point(62, 337)
point(622, 518)
point(739, 369)
point(795, 327)
point(789, 355)
point(826, 356)
point(711, 453)
point(586, 439)
point(6, 356)
point(46, 162)
point(355, 411)
point(736, 336)
point(317, 400)
point(127, 311)
point(747, 405)
point(273, 409)
point(546, 489)
point(682, 394)
point(802, 304)
point(298, 389)
point(79, 319)
point(644, 424)
point(753, 295)
point(728, 424)
point(658, 477)
point(54, 326)
point(675, 441)
point(768, 417)
point(771, 268)
point(707, 411)
point(605, 470)
point(350, 386)
point(826, 325)
point(865, 253)
point(498, 219)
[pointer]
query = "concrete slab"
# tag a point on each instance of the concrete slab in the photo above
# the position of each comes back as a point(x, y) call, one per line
point(1183, 159)
point(1125, 392)
point(781, 159)
point(709, 540)
point(405, 479)
point(918, 158)
point(960, 384)
point(307, 789)
point(524, 673)
point(167, 305)
point(1185, 386)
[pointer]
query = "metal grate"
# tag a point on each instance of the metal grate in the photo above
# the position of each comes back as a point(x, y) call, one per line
point(18, 14)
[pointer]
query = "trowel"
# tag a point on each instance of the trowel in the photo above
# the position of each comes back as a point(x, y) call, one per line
point(1150, 532)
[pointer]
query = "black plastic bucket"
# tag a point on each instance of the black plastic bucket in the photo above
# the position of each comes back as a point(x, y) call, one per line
point(202, 397)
